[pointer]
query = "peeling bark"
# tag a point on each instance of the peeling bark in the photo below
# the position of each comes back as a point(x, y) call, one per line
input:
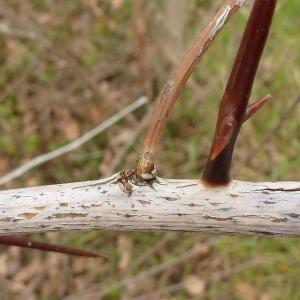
point(240, 208)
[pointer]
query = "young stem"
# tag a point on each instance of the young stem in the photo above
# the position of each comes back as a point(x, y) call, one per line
point(173, 88)
point(236, 96)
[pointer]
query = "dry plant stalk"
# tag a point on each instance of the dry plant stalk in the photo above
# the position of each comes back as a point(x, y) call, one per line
point(233, 107)
point(173, 88)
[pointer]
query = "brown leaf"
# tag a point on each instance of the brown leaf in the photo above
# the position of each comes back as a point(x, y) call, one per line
point(116, 4)
point(96, 114)
point(245, 290)
point(201, 249)
point(68, 124)
point(265, 296)
point(32, 181)
point(72, 129)
point(4, 164)
point(194, 285)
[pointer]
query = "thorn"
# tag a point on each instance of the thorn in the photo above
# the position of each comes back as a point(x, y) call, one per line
point(26, 243)
point(224, 136)
point(227, 127)
point(254, 107)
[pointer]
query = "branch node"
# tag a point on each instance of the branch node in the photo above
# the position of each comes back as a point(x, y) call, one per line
point(224, 136)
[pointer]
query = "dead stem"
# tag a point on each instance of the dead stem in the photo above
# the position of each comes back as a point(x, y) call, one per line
point(233, 107)
point(173, 88)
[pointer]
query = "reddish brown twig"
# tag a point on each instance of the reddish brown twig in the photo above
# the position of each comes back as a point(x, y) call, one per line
point(232, 112)
point(26, 243)
point(173, 88)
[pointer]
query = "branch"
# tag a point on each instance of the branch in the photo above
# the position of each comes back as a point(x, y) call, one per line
point(174, 86)
point(74, 144)
point(30, 244)
point(233, 107)
point(240, 208)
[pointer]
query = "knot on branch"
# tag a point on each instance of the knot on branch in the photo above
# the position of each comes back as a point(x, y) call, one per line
point(127, 178)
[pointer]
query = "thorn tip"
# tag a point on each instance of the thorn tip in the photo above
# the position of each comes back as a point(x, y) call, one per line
point(255, 106)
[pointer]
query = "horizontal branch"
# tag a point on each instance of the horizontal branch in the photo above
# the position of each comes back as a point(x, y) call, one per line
point(240, 208)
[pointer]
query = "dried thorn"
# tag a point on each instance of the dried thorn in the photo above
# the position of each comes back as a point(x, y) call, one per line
point(254, 107)
point(26, 243)
point(224, 136)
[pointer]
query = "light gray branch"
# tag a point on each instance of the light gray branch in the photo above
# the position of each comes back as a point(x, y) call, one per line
point(241, 208)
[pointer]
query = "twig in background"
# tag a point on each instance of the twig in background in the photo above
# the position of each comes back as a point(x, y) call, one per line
point(31, 30)
point(6, 30)
point(236, 96)
point(140, 260)
point(119, 156)
point(139, 7)
point(174, 87)
point(74, 144)
point(216, 276)
point(167, 237)
point(158, 293)
point(26, 243)
point(197, 250)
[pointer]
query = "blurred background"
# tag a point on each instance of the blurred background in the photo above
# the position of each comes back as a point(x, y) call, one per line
point(66, 66)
